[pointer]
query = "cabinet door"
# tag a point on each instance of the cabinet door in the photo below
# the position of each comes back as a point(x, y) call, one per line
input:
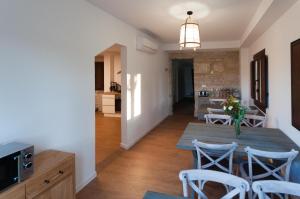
point(64, 189)
point(16, 192)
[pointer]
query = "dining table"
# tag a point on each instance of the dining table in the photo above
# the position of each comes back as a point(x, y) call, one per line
point(267, 139)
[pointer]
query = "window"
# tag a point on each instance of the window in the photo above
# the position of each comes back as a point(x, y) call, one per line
point(259, 80)
point(295, 70)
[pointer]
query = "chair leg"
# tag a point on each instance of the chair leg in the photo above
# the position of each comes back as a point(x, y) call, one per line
point(195, 159)
point(250, 194)
point(236, 170)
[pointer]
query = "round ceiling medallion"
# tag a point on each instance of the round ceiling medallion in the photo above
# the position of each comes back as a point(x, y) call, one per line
point(179, 10)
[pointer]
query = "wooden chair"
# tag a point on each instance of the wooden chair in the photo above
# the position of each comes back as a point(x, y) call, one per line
point(254, 121)
point(261, 188)
point(218, 119)
point(190, 177)
point(278, 168)
point(215, 156)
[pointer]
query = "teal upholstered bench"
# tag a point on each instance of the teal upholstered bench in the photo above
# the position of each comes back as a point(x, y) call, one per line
point(155, 195)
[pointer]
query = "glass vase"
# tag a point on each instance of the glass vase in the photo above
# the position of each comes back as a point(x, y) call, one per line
point(237, 127)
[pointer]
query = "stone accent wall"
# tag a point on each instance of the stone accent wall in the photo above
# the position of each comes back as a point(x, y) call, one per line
point(215, 69)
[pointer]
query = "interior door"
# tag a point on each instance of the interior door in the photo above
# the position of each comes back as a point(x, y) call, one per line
point(99, 76)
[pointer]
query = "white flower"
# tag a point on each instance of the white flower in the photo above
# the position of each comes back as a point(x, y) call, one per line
point(230, 108)
point(224, 107)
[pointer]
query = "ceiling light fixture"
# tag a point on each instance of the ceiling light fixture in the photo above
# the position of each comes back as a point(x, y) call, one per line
point(189, 34)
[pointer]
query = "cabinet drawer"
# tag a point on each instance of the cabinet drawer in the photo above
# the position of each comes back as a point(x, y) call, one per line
point(108, 96)
point(108, 101)
point(41, 183)
point(108, 109)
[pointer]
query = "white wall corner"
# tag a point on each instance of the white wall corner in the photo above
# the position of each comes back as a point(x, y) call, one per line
point(268, 12)
point(245, 75)
point(86, 181)
point(262, 9)
point(132, 142)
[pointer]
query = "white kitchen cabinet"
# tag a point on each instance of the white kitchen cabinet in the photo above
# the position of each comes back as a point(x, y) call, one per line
point(98, 100)
point(108, 104)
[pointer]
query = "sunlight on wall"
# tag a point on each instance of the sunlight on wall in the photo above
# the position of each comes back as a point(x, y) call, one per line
point(128, 97)
point(137, 95)
point(134, 103)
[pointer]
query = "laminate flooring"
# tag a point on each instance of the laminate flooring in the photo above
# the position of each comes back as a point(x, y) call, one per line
point(152, 164)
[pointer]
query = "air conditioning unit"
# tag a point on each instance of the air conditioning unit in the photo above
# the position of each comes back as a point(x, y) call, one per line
point(146, 45)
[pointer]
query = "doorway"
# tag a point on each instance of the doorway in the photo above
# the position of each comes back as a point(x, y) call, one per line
point(183, 86)
point(109, 69)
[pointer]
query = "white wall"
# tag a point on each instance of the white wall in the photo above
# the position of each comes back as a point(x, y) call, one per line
point(276, 40)
point(245, 75)
point(112, 65)
point(108, 71)
point(152, 98)
point(117, 68)
point(47, 57)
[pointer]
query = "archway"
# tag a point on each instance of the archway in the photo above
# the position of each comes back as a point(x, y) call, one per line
point(110, 103)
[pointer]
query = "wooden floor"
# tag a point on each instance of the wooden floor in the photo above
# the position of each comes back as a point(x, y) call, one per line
point(108, 137)
point(152, 164)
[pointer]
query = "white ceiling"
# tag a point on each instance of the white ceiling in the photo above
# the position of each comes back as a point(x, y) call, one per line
point(226, 20)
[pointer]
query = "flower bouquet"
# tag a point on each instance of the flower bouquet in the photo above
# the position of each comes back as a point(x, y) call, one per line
point(233, 108)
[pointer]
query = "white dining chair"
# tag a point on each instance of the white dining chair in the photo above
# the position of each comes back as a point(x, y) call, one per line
point(257, 168)
point(264, 187)
point(250, 120)
point(190, 177)
point(218, 119)
point(218, 156)
point(251, 111)
point(217, 101)
point(215, 110)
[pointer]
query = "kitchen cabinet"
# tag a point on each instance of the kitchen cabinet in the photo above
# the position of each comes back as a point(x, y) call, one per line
point(108, 103)
point(98, 100)
point(53, 178)
point(63, 189)
point(15, 192)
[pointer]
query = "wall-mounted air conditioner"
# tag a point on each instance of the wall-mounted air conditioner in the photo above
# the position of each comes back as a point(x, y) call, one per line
point(146, 45)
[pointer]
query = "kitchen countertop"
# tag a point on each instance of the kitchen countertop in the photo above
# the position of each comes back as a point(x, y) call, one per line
point(111, 93)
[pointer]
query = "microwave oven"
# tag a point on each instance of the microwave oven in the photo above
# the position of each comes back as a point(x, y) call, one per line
point(16, 163)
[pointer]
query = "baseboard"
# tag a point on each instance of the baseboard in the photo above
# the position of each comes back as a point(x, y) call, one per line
point(124, 146)
point(85, 182)
point(128, 146)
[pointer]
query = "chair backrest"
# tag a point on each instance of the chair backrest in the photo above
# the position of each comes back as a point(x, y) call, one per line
point(215, 110)
point(215, 154)
point(284, 159)
point(252, 111)
point(217, 101)
point(189, 177)
point(218, 118)
point(273, 186)
point(254, 120)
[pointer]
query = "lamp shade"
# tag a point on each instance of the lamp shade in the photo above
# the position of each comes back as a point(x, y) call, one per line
point(189, 35)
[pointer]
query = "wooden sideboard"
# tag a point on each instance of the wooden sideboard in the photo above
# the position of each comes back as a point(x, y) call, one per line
point(53, 178)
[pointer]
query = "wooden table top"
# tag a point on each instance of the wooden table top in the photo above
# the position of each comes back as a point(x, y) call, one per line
point(268, 139)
